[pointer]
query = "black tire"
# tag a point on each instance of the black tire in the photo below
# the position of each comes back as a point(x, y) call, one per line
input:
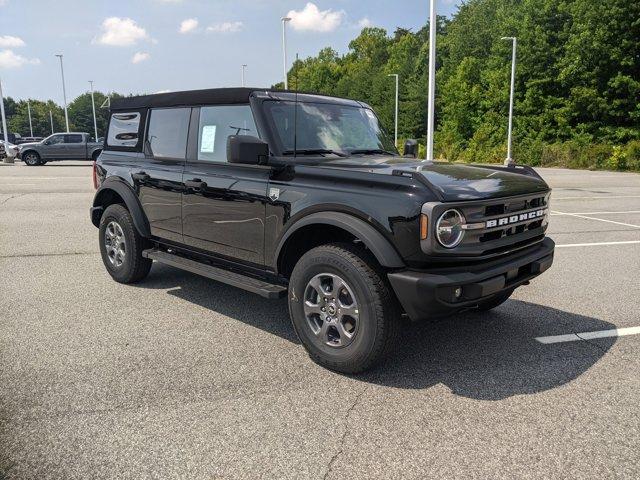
point(129, 266)
point(494, 301)
point(378, 324)
point(31, 159)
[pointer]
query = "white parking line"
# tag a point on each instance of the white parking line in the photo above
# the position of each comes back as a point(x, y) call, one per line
point(599, 213)
point(595, 218)
point(594, 198)
point(596, 244)
point(574, 337)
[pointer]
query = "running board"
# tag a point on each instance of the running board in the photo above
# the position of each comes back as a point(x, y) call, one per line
point(254, 285)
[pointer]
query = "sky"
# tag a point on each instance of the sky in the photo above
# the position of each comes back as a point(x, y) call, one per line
point(148, 46)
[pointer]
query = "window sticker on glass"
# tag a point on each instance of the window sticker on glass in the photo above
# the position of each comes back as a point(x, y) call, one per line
point(208, 142)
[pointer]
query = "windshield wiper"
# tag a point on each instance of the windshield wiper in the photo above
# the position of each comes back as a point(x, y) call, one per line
point(371, 151)
point(314, 151)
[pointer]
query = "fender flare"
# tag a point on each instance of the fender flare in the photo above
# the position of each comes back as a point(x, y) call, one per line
point(30, 150)
point(380, 247)
point(131, 201)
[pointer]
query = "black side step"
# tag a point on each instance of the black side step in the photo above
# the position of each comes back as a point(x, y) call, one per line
point(265, 289)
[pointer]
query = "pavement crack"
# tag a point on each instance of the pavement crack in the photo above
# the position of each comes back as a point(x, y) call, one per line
point(12, 197)
point(61, 254)
point(344, 434)
point(593, 344)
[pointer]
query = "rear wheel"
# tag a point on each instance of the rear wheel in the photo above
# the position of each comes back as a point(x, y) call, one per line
point(31, 158)
point(121, 246)
point(342, 308)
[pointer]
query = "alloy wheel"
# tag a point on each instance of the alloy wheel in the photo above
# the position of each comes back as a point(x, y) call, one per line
point(331, 310)
point(115, 244)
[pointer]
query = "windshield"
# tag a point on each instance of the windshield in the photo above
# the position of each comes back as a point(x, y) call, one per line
point(325, 128)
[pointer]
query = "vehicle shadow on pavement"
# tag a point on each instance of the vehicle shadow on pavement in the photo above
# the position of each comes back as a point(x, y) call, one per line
point(271, 316)
point(481, 355)
point(494, 355)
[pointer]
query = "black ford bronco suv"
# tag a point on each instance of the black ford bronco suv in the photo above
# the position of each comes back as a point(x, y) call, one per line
point(304, 195)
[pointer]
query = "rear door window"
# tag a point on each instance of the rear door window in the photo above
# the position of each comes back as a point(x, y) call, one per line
point(73, 138)
point(123, 130)
point(167, 134)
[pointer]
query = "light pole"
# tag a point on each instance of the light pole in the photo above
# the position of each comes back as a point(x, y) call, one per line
point(30, 123)
point(244, 66)
point(396, 115)
point(51, 118)
point(432, 79)
point(64, 93)
point(7, 159)
point(509, 161)
point(284, 50)
point(93, 106)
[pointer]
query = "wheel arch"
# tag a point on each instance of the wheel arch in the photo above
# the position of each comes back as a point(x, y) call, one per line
point(340, 227)
point(117, 191)
point(31, 150)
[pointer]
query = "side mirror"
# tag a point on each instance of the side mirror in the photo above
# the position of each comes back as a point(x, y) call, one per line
point(411, 148)
point(247, 149)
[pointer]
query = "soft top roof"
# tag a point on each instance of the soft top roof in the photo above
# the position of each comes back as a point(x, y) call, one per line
point(212, 96)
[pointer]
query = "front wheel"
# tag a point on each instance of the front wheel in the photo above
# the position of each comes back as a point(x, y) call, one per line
point(121, 246)
point(342, 308)
point(31, 158)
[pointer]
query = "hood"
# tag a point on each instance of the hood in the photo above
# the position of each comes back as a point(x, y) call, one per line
point(454, 181)
point(29, 144)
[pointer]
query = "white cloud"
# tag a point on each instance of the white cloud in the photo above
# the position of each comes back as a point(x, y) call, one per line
point(9, 59)
point(7, 41)
point(140, 57)
point(365, 22)
point(313, 19)
point(225, 27)
point(188, 25)
point(121, 32)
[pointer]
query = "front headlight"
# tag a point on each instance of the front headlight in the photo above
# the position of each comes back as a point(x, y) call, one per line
point(449, 230)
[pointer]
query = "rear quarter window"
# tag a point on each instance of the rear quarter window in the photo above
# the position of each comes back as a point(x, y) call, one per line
point(124, 130)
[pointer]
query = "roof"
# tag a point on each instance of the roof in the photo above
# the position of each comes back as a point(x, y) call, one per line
point(212, 96)
point(225, 96)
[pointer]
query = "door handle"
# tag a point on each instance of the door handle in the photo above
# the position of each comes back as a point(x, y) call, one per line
point(140, 177)
point(195, 184)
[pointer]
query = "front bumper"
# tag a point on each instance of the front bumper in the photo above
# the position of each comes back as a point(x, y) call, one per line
point(431, 293)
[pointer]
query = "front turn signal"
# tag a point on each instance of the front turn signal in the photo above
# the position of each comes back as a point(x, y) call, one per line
point(424, 226)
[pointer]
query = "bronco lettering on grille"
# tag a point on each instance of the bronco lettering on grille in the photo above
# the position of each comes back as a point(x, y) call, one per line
point(521, 217)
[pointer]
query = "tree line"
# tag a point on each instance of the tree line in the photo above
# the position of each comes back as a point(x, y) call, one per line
point(44, 113)
point(577, 101)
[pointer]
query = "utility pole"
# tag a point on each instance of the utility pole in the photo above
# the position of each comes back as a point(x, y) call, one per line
point(432, 79)
point(64, 93)
point(51, 118)
point(7, 159)
point(284, 50)
point(244, 66)
point(93, 106)
point(509, 162)
point(30, 123)
point(396, 116)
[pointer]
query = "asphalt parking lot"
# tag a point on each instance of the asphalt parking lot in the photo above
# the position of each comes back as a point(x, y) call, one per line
point(184, 377)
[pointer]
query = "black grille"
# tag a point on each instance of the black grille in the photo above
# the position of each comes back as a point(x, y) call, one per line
point(519, 221)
